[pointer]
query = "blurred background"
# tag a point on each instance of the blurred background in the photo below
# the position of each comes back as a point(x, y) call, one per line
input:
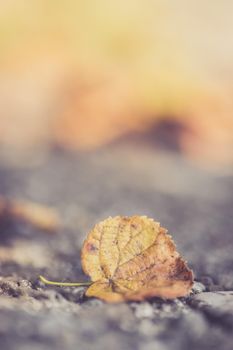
point(83, 74)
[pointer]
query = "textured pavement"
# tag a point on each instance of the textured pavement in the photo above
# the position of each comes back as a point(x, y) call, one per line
point(194, 204)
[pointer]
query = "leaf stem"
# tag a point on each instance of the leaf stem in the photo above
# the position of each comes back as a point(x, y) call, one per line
point(64, 284)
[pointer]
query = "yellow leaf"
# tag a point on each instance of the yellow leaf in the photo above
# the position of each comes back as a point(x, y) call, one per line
point(133, 258)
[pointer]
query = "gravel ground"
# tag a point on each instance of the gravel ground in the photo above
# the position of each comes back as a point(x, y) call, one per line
point(194, 204)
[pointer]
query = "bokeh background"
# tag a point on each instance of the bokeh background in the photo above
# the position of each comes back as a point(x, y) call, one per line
point(81, 74)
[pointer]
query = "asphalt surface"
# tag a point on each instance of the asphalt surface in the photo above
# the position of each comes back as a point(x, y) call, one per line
point(194, 204)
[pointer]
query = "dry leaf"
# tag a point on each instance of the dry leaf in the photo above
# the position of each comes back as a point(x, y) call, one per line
point(133, 258)
point(40, 216)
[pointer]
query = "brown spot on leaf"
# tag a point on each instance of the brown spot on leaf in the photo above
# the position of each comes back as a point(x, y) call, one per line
point(90, 247)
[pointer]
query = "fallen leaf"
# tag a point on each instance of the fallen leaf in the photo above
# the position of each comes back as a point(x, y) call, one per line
point(40, 216)
point(133, 258)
